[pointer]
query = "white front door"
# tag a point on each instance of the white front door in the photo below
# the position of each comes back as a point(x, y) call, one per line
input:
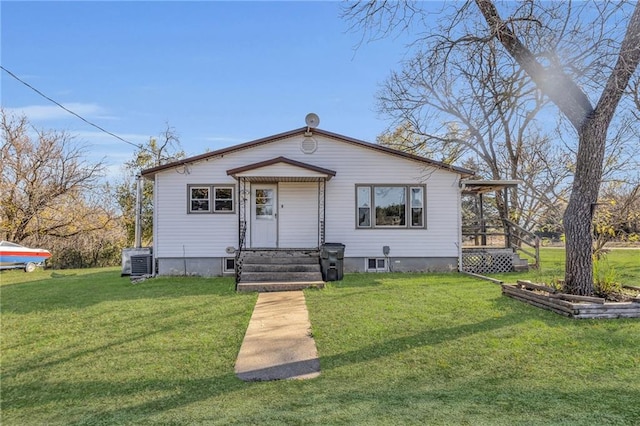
point(264, 215)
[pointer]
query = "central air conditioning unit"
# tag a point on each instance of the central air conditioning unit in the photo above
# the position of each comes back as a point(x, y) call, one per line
point(141, 264)
point(126, 257)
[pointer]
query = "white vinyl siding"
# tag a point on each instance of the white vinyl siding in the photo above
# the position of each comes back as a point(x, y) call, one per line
point(298, 217)
point(208, 235)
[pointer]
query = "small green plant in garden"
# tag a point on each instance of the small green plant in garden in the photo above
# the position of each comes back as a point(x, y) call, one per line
point(557, 283)
point(605, 277)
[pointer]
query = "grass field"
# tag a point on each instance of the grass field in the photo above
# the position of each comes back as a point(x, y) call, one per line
point(624, 262)
point(87, 347)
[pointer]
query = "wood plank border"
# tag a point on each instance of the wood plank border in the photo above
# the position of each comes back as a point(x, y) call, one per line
point(584, 310)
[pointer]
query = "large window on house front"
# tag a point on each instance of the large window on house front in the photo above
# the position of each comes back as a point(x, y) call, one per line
point(210, 198)
point(390, 206)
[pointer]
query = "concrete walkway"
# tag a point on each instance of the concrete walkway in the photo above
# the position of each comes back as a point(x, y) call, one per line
point(278, 344)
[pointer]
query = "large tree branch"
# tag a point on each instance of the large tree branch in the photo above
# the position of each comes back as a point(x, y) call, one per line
point(628, 61)
point(553, 82)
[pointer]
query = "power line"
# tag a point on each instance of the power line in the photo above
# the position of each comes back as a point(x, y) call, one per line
point(69, 111)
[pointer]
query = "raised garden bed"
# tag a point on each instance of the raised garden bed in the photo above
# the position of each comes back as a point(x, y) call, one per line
point(574, 306)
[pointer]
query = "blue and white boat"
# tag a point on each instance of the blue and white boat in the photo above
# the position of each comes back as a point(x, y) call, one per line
point(15, 256)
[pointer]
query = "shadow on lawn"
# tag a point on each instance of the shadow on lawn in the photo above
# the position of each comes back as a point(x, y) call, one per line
point(71, 290)
point(178, 393)
point(472, 400)
point(174, 394)
point(375, 280)
point(410, 399)
point(429, 337)
point(59, 355)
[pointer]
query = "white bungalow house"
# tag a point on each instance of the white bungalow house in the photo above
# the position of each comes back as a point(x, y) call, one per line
point(296, 191)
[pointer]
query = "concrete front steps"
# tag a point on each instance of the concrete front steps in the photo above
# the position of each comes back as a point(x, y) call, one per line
point(280, 270)
point(520, 264)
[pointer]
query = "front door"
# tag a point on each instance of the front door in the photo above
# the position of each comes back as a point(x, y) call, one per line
point(264, 215)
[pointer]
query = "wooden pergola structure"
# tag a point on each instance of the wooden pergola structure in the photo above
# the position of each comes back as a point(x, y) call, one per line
point(496, 241)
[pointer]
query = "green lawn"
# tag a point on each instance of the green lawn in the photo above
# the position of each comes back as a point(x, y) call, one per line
point(90, 348)
point(625, 263)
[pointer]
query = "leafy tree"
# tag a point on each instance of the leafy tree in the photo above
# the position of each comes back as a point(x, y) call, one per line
point(52, 197)
point(157, 151)
point(99, 245)
point(617, 216)
point(44, 178)
point(570, 53)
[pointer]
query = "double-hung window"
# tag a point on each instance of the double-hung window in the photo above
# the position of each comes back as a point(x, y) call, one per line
point(364, 206)
point(199, 199)
point(222, 198)
point(210, 198)
point(417, 206)
point(390, 206)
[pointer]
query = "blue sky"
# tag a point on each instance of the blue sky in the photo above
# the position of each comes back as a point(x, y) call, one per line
point(220, 73)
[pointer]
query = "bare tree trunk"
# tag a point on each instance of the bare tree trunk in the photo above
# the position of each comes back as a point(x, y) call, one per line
point(589, 163)
point(578, 217)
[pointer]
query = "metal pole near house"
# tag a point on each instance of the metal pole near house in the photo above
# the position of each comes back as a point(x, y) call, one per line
point(138, 223)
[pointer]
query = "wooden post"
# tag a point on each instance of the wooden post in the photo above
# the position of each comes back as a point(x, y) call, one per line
point(483, 226)
point(506, 218)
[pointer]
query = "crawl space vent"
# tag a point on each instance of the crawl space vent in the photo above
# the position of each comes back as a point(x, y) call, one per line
point(308, 145)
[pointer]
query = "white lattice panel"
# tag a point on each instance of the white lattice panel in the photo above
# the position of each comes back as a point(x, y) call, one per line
point(486, 262)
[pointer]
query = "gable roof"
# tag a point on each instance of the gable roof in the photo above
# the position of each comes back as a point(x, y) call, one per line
point(297, 171)
point(301, 131)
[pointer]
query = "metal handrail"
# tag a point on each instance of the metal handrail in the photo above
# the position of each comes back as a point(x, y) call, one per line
point(238, 267)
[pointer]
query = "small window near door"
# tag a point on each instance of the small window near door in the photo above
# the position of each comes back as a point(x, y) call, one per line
point(264, 203)
point(377, 264)
point(223, 199)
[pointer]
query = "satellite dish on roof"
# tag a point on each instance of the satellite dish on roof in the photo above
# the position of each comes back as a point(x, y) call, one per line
point(312, 120)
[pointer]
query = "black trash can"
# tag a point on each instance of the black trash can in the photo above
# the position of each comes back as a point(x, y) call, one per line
point(332, 261)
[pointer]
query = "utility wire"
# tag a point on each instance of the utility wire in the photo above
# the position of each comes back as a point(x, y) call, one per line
point(69, 111)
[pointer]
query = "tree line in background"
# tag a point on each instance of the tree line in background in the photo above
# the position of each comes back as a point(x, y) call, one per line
point(53, 197)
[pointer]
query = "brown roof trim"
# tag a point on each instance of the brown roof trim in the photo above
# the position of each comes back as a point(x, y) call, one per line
point(153, 170)
point(223, 151)
point(277, 160)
